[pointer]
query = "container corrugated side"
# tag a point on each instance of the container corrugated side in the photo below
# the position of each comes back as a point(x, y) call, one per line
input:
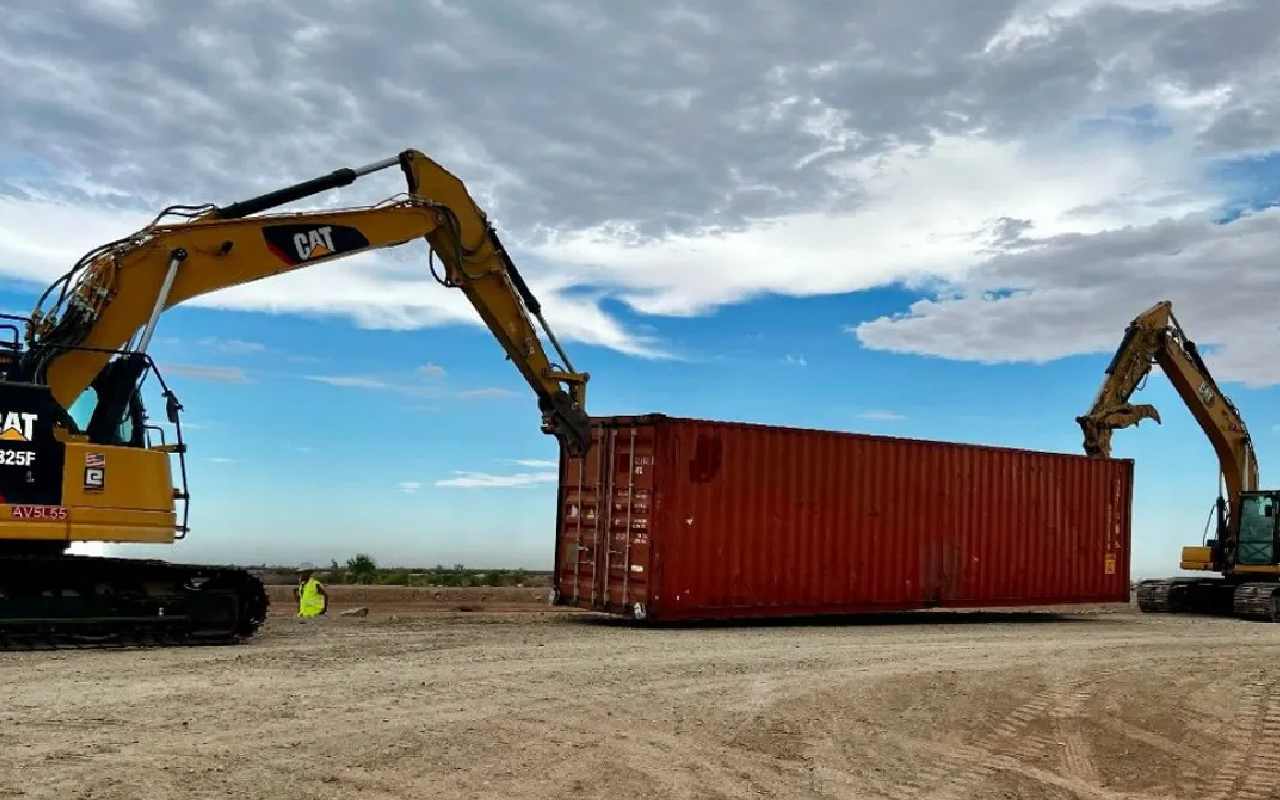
point(677, 519)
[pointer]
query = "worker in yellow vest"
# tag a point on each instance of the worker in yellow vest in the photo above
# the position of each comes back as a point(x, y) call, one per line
point(312, 600)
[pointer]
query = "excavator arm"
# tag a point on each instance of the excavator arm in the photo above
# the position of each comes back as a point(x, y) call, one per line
point(1155, 337)
point(111, 300)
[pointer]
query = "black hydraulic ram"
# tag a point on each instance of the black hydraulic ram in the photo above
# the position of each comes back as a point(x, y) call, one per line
point(339, 177)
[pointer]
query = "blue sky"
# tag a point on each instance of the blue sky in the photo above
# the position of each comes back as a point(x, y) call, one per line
point(924, 220)
point(285, 468)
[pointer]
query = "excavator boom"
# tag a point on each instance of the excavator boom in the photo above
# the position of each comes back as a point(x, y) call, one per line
point(114, 296)
point(1155, 337)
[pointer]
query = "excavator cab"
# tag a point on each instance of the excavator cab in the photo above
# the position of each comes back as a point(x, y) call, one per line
point(1259, 528)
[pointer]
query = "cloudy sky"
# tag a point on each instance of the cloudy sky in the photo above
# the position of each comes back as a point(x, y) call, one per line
point(927, 219)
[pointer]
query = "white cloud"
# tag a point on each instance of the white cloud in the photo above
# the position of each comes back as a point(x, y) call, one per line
point(489, 392)
point(233, 346)
point(380, 290)
point(385, 290)
point(409, 487)
point(206, 372)
point(381, 384)
point(533, 463)
point(374, 383)
point(1075, 294)
point(35, 246)
point(878, 415)
point(430, 370)
point(895, 145)
point(484, 480)
point(795, 361)
point(351, 381)
point(923, 214)
point(222, 460)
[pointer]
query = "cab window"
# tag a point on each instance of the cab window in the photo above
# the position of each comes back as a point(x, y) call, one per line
point(1258, 518)
point(126, 433)
point(81, 410)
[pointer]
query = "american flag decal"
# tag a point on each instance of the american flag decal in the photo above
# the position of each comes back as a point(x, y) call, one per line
point(95, 460)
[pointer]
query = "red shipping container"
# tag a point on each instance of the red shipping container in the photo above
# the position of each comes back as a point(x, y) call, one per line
point(670, 519)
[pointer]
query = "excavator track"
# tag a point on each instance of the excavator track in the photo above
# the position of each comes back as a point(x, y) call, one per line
point(1257, 601)
point(82, 601)
point(1186, 596)
point(1153, 596)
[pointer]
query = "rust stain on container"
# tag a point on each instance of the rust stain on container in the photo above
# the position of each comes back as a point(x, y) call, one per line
point(669, 518)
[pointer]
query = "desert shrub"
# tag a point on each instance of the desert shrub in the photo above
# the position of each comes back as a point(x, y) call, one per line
point(361, 568)
point(392, 577)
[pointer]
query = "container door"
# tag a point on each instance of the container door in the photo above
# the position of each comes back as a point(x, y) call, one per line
point(623, 566)
point(582, 500)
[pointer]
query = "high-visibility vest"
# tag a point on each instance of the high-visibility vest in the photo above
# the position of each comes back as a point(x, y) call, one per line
point(310, 601)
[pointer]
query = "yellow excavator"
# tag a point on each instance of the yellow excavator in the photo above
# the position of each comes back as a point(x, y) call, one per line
point(1245, 547)
point(79, 461)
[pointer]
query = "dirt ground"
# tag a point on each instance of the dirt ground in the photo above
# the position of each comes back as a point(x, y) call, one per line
point(421, 701)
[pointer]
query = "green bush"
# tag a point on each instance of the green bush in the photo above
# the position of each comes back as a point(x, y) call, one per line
point(392, 577)
point(362, 569)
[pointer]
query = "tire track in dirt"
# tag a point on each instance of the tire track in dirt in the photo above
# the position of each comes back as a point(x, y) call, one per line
point(538, 693)
point(956, 772)
point(652, 749)
point(542, 687)
point(1252, 768)
point(1153, 740)
point(1077, 753)
point(1239, 746)
point(671, 759)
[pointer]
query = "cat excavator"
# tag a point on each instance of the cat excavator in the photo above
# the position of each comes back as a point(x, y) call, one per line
point(80, 460)
point(1244, 549)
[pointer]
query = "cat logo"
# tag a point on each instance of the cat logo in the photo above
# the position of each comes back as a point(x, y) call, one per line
point(303, 244)
point(316, 243)
point(17, 426)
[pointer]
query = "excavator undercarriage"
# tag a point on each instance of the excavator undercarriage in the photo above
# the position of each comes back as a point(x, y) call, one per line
point(1216, 596)
point(66, 600)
